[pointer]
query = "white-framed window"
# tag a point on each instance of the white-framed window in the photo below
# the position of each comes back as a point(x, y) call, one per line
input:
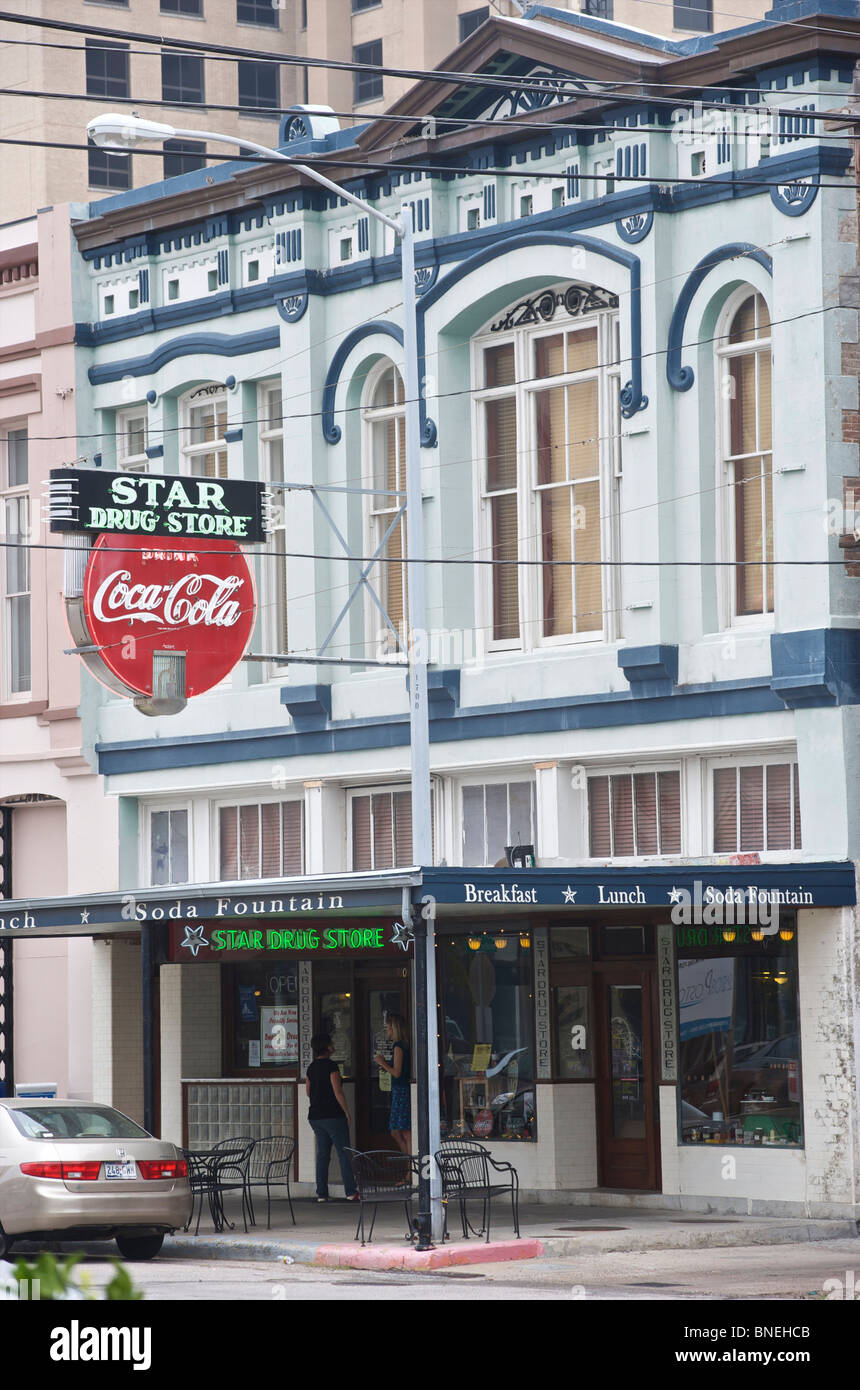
point(168, 841)
point(15, 562)
point(634, 813)
point(264, 839)
point(743, 356)
point(384, 417)
point(203, 421)
point(380, 827)
point(131, 439)
point(274, 569)
point(496, 815)
point(756, 806)
point(548, 432)
point(471, 213)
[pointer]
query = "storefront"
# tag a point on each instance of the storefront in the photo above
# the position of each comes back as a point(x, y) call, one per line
point(653, 1030)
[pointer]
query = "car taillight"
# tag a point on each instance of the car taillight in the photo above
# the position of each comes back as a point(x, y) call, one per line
point(42, 1170)
point(69, 1172)
point(162, 1167)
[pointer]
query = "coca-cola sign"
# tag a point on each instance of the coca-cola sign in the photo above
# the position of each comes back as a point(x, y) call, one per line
point(143, 595)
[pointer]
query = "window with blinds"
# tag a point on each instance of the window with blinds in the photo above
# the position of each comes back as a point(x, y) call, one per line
point(15, 562)
point(204, 424)
point(495, 815)
point(382, 830)
point(265, 840)
point(756, 807)
point(385, 418)
point(748, 456)
point(547, 406)
point(632, 814)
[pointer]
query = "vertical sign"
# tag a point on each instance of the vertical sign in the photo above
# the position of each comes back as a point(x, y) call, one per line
point(540, 941)
point(306, 1014)
point(668, 1003)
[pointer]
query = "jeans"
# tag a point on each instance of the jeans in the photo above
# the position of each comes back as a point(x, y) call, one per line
point(330, 1132)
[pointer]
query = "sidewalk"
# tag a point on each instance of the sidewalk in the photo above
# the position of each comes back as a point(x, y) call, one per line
point(325, 1234)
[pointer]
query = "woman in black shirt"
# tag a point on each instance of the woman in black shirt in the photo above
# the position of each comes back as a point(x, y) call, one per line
point(329, 1116)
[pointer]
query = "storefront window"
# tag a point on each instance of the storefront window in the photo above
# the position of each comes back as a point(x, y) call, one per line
point(568, 942)
point(740, 1043)
point(265, 1007)
point(487, 1050)
point(574, 1061)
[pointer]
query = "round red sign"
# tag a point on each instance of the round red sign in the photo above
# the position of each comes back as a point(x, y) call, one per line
point(145, 594)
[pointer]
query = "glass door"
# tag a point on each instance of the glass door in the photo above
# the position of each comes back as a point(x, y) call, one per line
point(626, 1092)
point(378, 994)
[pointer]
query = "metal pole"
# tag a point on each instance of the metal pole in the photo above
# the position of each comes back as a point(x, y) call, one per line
point(146, 1005)
point(429, 1187)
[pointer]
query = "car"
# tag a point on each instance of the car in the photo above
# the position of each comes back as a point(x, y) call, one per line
point(76, 1170)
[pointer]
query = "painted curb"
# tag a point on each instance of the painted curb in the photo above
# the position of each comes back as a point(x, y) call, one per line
point(392, 1257)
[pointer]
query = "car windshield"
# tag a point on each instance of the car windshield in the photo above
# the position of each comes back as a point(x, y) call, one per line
point(75, 1122)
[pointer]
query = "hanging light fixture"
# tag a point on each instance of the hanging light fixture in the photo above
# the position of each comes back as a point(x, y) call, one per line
point(757, 934)
point(729, 933)
point(474, 943)
point(786, 933)
point(500, 943)
point(525, 940)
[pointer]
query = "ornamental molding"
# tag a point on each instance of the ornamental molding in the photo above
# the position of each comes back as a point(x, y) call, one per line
point(541, 308)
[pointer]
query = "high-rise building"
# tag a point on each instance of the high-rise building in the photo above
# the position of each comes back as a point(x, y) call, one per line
point(55, 79)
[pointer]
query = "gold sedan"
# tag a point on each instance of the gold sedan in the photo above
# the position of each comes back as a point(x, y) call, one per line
point(75, 1170)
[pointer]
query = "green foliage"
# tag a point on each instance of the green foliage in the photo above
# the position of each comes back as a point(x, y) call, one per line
point(57, 1280)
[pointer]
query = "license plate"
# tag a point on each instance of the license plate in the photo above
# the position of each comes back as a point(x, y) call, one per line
point(121, 1170)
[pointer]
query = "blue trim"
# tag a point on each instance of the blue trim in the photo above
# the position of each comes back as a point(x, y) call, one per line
point(681, 378)
point(309, 705)
point(816, 668)
point(635, 227)
point(220, 344)
point(651, 671)
point(156, 451)
point(331, 431)
point(601, 711)
point(233, 436)
point(793, 199)
point(292, 307)
point(152, 397)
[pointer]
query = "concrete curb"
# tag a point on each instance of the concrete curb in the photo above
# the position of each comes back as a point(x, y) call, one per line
point(391, 1257)
point(691, 1238)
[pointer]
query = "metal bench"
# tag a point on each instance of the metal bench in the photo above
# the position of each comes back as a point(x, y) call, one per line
point(469, 1172)
point(382, 1176)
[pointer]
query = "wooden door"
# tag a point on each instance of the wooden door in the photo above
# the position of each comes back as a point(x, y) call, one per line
point(628, 1123)
point(380, 990)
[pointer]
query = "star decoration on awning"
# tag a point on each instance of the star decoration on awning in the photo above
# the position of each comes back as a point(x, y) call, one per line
point(193, 939)
point(570, 894)
point(676, 895)
point(402, 936)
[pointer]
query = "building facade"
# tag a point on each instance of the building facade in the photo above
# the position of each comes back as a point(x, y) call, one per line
point(637, 334)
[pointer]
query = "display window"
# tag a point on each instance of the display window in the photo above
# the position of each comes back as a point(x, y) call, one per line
point(262, 1017)
point(739, 1035)
point(487, 1037)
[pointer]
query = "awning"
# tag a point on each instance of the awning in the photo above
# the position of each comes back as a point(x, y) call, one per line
point(305, 897)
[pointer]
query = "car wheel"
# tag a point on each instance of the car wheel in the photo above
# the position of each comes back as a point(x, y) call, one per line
point(139, 1247)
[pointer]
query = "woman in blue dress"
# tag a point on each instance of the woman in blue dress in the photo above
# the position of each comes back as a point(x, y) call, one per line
point(400, 1119)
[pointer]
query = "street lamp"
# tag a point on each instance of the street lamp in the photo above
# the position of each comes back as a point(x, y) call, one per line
point(119, 130)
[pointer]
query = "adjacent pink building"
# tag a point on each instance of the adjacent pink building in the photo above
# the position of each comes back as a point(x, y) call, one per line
point(52, 810)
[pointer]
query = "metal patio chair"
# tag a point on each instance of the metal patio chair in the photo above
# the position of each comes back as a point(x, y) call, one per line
point(468, 1171)
point(383, 1176)
point(269, 1164)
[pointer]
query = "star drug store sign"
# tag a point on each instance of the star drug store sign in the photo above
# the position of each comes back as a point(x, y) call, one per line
point(165, 606)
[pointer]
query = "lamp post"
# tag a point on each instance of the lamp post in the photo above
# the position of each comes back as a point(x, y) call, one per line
point(119, 130)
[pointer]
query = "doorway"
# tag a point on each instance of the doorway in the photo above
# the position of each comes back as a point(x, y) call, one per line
point(380, 990)
point(628, 1128)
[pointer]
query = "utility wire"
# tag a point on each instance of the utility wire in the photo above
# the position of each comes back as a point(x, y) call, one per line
point(524, 84)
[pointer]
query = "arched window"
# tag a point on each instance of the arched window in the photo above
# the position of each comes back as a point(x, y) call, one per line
point(548, 433)
point(384, 417)
point(203, 423)
point(747, 457)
